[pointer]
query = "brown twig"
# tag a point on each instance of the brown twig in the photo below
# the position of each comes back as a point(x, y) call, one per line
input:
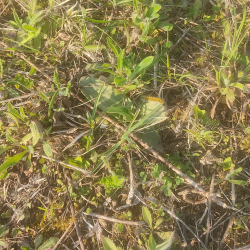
point(209, 210)
point(131, 193)
point(34, 66)
point(114, 220)
point(19, 97)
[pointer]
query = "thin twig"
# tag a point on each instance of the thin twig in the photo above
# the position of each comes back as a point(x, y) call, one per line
point(34, 66)
point(131, 193)
point(63, 236)
point(209, 210)
point(114, 220)
point(19, 97)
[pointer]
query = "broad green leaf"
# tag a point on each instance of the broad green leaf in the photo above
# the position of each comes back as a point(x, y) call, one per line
point(93, 48)
point(156, 117)
point(108, 244)
point(151, 137)
point(147, 216)
point(47, 149)
point(165, 26)
point(119, 81)
point(238, 182)
point(148, 39)
point(12, 161)
point(121, 110)
point(151, 243)
point(90, 87)
point(142, 65)
point(2, 243)
point(35, 133)
point(38, 240)
point(153, 9)
point(167, 244)
point(49, 243)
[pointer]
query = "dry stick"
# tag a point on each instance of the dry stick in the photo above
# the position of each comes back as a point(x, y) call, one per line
point(131, 223)
point(34, 66)
point(227, 231)
point(131, 193)
point(19, 97)
point(63, 236)
point(202, 192)
point(209, 210)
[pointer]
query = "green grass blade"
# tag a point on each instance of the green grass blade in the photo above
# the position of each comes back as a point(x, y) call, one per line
point(12, 161)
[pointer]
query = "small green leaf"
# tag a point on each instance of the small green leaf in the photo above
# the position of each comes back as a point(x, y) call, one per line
point(147, 216)
point(38, 240)
point(142, 65)
point(151, 243)
point(233, 173)
point(56, 79)
point(35, 133)
point(18, 21)
point(239, 85)
point(230, 95)
point(49, 243)
point(108, 244)
point(238, 182)
point(52, 102)
point(14, 112)
point(12, 161)
point(158, 222)
point(45, 98)
point(120, 61)
point(2, 230)
point(29, 28)
point(119, 81)
point(47, 149)
point(165, 26)
point(26, 138)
